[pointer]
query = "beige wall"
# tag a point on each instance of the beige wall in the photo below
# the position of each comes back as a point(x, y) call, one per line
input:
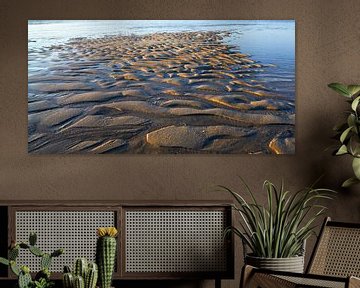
point(327, 50)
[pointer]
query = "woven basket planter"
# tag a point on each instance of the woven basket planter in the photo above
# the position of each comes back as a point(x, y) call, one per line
point(291, 264)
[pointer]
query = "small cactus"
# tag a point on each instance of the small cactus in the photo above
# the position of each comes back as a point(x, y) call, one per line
point(43, 274)
point(106, 254)
point(45, 261)
point(68, 280)
point(91, 276)
point(80, 268)
point(79, 282)
point(36, 251)
point(24, 280)
point(32, 239)
point(57, 252)
point(4, 261)
point(13, 253)
point(14, 268)
point(67, 269)
point(89, 272)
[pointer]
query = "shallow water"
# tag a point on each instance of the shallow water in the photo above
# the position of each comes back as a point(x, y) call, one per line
point(267, 41)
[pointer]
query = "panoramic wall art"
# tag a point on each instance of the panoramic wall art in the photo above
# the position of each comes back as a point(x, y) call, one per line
point(161, 86)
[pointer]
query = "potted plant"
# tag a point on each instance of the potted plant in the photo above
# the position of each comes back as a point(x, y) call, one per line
point(276, 233)
point(349, 131)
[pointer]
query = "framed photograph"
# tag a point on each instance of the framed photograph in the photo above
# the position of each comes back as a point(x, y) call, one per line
point(161, 86)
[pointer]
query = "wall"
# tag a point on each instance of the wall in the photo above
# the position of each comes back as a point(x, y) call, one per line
point(328, 41)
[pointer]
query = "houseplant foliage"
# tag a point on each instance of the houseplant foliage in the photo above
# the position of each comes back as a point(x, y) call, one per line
point(349, 131)
point(42, 278)
point(280, 228)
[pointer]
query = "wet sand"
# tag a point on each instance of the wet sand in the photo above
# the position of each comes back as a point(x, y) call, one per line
point(160, 93)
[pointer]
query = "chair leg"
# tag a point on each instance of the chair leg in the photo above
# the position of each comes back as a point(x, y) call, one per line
point(217, 283)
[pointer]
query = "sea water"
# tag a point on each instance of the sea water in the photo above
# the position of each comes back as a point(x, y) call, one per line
point(267, 41)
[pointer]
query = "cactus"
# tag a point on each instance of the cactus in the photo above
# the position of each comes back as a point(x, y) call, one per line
point(32, 239)
point(105, 254)
point(67, 269)
point(91, 276)
point(4, 261)
point(13, 253)
point(24, 280)
point(45, 261)
point(14, 268)
point(80, 267)
point(79, 282)
point(68, 280)
point(57, 253)
point(24, 245)
point(42, 278)
point(90, 272)
point(43, 274)
point(36, 251)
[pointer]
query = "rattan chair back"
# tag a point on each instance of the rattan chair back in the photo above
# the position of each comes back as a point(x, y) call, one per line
point(337, 252)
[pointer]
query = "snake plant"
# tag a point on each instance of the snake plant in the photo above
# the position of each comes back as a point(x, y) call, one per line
point(279, 228)
point(349, 132)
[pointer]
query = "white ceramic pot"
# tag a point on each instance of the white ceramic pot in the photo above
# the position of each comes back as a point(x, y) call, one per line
point(291, 264)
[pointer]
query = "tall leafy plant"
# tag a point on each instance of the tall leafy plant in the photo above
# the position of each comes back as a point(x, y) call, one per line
point(279, 229)
point(349, 131)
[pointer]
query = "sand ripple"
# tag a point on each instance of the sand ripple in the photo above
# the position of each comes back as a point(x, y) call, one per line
point(154, 93)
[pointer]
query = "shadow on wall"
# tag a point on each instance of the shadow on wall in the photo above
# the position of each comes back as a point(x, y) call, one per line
point(335, 169)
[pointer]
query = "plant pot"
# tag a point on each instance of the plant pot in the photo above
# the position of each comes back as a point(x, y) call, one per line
point(291, 264)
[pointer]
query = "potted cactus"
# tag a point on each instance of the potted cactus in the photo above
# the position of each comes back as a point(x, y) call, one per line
point(42, 278)
point(84, 275)
point(106, 254)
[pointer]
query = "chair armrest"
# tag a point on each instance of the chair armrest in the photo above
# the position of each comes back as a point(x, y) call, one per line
point(354, 282)
point(252, 277)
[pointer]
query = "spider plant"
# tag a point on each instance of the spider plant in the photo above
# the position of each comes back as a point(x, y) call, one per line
point(279, 229)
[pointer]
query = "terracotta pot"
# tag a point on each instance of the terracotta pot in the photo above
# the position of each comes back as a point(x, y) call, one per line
point(291, 264)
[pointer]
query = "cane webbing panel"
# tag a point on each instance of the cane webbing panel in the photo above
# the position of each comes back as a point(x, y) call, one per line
point(312, 282)
point(175, 241)
point(75, 231)
point(338, 252)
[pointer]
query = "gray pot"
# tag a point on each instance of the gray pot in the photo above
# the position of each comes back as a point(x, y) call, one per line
point(291, 264)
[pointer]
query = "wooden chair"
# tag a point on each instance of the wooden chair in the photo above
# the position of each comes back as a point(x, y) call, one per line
point(335, 262)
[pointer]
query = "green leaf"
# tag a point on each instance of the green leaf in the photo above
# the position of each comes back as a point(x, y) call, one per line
point(353, 89)
point(345, 134)
point(342, 150)
point(340, 88)
point(356, 167)
point(349, 182)
point(355, 103)
point(351, 120)
point(354, 145)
